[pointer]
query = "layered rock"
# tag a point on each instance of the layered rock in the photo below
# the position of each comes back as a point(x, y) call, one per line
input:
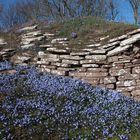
point(6, 54)
point(114, 65)
point(2, 42)
point(30, 36)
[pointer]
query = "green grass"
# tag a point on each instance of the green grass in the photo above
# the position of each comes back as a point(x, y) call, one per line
point(91, 25)
point(89, 31)
point(11, 38)
point(89, 28)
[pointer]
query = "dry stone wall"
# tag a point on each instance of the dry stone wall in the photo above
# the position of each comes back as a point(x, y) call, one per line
point(115, 65)
point(120, 72)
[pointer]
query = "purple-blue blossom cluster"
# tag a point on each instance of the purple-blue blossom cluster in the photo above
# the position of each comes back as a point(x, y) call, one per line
point(35, 105)
point(5, 65)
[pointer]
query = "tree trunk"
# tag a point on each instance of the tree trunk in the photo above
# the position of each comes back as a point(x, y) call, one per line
point(136, 16)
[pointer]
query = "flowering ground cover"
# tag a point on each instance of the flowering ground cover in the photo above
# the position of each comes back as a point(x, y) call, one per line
point(38, 106)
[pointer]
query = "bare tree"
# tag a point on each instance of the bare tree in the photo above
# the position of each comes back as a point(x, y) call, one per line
point(19, 13)
point(135, 4)
point(29, 9)
point(59, 9)
point(62, 9)
point(92, 7)
point(112, 9)
point(9, 17)
point(1, 8)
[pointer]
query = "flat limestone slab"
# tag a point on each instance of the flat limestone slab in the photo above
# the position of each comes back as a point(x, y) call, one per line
point(118, 50)
point(28, 28)
point(131, 40)
point(2, 42)
point(59, 51)
point(96, 57)
point(33, 33)
point(134, 32)
point(23, 58)
point(30, 40)
point(118, 38)
point(27, 46)
point(71, 57)
point(94, 45)
point(57, 40)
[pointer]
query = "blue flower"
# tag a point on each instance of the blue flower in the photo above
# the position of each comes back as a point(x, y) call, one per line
point(50, 104)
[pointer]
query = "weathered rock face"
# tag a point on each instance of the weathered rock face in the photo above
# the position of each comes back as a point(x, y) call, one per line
point(5, 54)
point(120, 71)
point(115, 65)
point(29, 28)
point(30, 36)
point(59, 40)
point(2, 41)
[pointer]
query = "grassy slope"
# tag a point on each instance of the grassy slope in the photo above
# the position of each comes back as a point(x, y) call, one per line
point(53, 107)
point(89, 30)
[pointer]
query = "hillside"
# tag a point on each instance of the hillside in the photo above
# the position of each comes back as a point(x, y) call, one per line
point(38, 106)
point(77, 79)
point(99, 52)
point(88, 30)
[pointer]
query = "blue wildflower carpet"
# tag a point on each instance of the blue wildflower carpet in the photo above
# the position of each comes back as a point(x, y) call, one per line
point(37, 106)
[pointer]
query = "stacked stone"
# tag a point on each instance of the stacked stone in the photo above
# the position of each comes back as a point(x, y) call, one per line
point(30, 36)
point(53, 61)
point(3, 53)
point(91, 67)
point(22, 59)
point(115, 65)
point(61, 41)
point(6, 54)
point(2, 42)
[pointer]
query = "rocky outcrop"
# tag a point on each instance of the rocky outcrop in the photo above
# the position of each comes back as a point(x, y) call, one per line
point(114, 65)
point(29, 28)
point(30, 36)
point(2, 42)
point(6, 54)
